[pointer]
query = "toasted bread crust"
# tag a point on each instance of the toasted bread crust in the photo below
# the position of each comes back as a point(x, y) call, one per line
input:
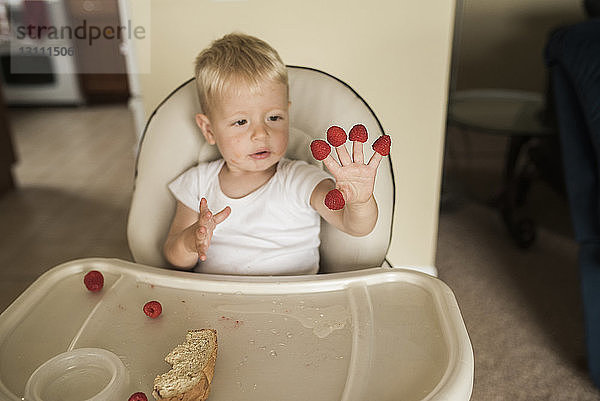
point(200, 391)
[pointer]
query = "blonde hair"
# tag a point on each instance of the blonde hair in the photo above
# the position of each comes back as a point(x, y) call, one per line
point(236, 58)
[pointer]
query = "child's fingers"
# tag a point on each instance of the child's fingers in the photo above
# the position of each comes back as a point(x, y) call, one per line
point(203, 206)
point(202, 248)
point(357, 152)
point(343, 155)
point(201, 232)
point(222, 215)
point(204, 213)
point(203, 236)
point(204, 218)
point(206, 242)
point(201, 242)
point(332, 165)
point(375, 160)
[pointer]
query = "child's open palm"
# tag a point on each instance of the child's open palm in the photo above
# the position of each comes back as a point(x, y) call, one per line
point(354, 178)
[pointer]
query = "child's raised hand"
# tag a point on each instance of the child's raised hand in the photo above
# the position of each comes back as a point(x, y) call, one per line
point(204, 227)
point(354, 178)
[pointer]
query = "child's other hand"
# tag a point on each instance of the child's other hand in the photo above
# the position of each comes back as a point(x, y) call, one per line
point(203, 229)
point(354, 178)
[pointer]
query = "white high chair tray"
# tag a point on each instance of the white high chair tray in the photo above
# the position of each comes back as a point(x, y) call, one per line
point(378, 334)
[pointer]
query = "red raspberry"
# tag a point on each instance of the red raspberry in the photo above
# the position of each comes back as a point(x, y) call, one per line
point(336, 136)
point(382, 145)
point(138, 397)
point(358, 133)
point(320, 149)
point(153, 309)
point(94, 281)
point(334, 200)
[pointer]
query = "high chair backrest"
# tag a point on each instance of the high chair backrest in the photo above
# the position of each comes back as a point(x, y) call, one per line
point(172, 143)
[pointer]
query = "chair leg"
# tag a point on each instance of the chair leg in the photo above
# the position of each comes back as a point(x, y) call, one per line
point(514, 192)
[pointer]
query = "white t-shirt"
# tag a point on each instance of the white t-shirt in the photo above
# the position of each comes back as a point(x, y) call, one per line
point(271, 231)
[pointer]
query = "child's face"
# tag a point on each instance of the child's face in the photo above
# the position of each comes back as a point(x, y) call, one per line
point(250, 129)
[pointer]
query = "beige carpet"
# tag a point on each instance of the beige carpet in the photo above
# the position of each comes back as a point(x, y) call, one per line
point(521, 308)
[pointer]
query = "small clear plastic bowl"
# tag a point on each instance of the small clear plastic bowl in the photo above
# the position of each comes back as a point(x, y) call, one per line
point(90, 374)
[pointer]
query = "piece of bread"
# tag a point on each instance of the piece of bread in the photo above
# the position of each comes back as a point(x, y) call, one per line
point(193, 365)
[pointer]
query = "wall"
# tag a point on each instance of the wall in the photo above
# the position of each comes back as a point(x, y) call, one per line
point(502, 41)
point(7, 152)
point(395, 54)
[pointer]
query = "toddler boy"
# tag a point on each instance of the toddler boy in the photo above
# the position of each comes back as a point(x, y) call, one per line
point(269, 206)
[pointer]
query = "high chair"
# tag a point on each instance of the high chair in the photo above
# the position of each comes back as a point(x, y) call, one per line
point(172, 143)
point(373, 333)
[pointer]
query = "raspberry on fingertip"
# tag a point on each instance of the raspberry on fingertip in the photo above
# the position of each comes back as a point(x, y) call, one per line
point(336, 136)
point(358, 133)
point(334, 199)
